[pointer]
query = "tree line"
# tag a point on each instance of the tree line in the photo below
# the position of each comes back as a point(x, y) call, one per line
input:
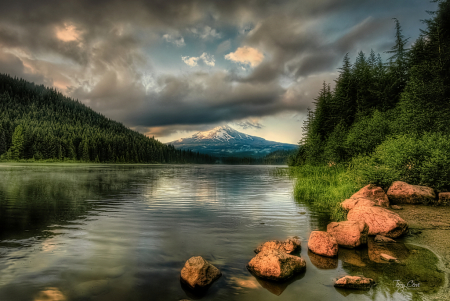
point(42, 124)
point(376, 107)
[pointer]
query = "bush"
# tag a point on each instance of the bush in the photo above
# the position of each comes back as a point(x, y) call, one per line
point(365, 135)
point(419, 160)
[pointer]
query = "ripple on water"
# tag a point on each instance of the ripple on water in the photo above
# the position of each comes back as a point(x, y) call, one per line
point(123, 232)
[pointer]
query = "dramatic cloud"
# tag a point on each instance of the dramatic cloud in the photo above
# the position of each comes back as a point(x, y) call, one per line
point(123, 58)
point(246, 55)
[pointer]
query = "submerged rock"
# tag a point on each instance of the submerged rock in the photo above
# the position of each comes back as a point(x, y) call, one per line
point(374, 193)
point(388, 258)
point(288, 246)
point(349, 234)
point(376, 251)
point(380, 221)
point(276, 265)
point(404, 193)
point(199, 273)
point(323, 243)
point(383, 239)
point(354, 282)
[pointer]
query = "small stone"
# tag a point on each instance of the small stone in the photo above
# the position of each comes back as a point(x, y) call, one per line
point(383, 239)
point(354, 282)
point(388, 258)
point(323, 243)
point(444, 199)
point(199, 273)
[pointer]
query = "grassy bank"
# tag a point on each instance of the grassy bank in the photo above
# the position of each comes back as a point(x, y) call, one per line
point(325, 187)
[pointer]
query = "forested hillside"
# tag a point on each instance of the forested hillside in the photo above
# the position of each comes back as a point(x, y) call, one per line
point(40, 123)
point(388, 120)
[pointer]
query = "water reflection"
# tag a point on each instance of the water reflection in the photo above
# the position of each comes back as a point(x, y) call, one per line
point(277, 288)
point(50, 294)
point(98, 232)
point(323, 262)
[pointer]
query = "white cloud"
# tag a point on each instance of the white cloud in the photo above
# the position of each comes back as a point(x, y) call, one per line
point(190, 61)
point(193, 61)
point(246, 55)
point(179, 41)
point(206, 32)
point(208, 59)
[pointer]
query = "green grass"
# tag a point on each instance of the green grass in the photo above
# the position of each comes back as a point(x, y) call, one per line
point(324, 187)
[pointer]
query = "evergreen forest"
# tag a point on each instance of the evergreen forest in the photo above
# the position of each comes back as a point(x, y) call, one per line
point(38, 123)
point(388, 119)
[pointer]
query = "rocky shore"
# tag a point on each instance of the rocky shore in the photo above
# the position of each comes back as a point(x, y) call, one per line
point(371, 242)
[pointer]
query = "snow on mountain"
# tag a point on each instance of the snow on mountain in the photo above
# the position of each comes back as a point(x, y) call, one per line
point(226, 141)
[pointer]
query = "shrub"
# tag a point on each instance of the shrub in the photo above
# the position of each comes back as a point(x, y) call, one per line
point(418, 160)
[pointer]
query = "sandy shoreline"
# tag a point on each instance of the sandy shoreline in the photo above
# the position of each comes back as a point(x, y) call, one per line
point(430, 228)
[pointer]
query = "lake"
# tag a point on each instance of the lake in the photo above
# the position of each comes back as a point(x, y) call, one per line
point(124, 232)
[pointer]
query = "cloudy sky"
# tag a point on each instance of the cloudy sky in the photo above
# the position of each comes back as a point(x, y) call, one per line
point(169, 68)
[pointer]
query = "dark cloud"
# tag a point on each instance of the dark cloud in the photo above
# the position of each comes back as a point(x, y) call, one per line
point(100, 52)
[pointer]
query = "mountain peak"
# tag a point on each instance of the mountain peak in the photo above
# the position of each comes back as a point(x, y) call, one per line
point(226, 141)
point(221, 133)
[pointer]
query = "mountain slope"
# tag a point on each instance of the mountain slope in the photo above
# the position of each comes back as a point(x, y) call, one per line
point(226, 141)
point(40, 123)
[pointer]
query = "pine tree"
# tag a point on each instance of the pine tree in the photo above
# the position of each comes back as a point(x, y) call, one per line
point(2, 141)
point(17, 147)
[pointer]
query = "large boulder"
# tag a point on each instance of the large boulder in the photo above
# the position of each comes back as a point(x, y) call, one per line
point(351, 203)
point(380, 221)
point(323, 243)
point(404, 193)
point(276, 265)
point(373, 192)
point(444, 199)
point(354, 282)
point(349, 234)
point(198, 273)
point(288, 246)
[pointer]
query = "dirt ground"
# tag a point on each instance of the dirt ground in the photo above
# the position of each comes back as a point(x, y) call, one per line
point(430, 228)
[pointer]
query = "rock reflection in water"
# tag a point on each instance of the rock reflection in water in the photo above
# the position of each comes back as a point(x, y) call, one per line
point(277, 288)
point(354, 257)
point(323, 262)
point(50, 294)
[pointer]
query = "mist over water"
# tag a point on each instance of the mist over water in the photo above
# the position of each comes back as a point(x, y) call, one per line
point(123, 232)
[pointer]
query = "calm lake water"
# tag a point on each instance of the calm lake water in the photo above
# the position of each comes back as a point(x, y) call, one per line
point(124, 232)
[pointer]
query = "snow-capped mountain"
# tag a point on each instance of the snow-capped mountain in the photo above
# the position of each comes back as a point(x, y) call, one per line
point(226, 141)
